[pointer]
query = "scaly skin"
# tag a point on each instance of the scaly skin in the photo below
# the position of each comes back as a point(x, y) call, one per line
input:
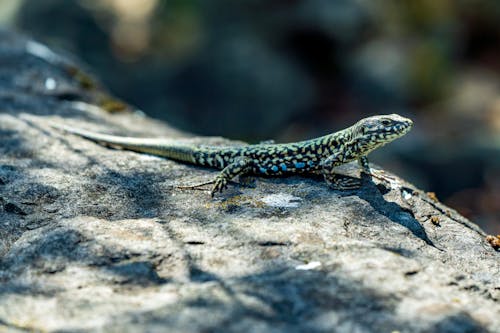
point(320, 154)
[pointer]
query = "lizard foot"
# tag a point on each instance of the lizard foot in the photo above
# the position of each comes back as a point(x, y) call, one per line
point(343, 183)
point(195, 187)
point(219, 186)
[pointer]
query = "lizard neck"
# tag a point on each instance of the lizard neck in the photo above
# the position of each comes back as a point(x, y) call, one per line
point(332, 143)
point(355, 143)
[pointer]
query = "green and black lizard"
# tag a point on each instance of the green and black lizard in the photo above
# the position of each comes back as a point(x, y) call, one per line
point(322, 154)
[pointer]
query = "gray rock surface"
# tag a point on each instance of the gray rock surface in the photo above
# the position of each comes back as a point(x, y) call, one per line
point(96, 239)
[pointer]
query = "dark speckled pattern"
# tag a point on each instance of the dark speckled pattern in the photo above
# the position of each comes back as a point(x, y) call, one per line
point(324, 153)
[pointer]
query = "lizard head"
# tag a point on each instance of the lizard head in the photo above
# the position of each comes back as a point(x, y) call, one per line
point(376, 131)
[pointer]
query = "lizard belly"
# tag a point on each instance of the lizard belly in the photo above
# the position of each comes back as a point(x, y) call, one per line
point(282, 167)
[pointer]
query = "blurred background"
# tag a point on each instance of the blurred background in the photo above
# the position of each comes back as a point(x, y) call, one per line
point(294, 69)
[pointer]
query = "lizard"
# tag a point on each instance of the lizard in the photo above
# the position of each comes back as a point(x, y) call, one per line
point(321, 154)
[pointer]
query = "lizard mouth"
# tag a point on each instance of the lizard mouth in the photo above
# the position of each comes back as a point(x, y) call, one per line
point(400, 128)
point(384, 135)
point(405, 127)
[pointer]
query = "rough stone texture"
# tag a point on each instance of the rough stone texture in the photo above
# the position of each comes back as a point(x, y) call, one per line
point(96, 239)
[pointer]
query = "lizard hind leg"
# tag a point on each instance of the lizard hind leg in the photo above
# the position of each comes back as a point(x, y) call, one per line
point(239, 167)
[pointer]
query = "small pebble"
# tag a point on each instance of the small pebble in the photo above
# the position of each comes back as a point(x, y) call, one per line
point(309, 266)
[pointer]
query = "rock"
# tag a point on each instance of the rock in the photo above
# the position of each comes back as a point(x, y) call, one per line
point(97, 239)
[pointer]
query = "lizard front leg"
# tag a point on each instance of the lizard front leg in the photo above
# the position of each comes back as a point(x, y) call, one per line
point(239, 167)
point(332, 179)
point(365, 170)
point(364, 165)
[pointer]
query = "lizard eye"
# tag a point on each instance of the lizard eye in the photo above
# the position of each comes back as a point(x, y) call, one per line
point(386, 122)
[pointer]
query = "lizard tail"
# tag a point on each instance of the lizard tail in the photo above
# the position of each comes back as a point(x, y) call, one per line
point(158, 147)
